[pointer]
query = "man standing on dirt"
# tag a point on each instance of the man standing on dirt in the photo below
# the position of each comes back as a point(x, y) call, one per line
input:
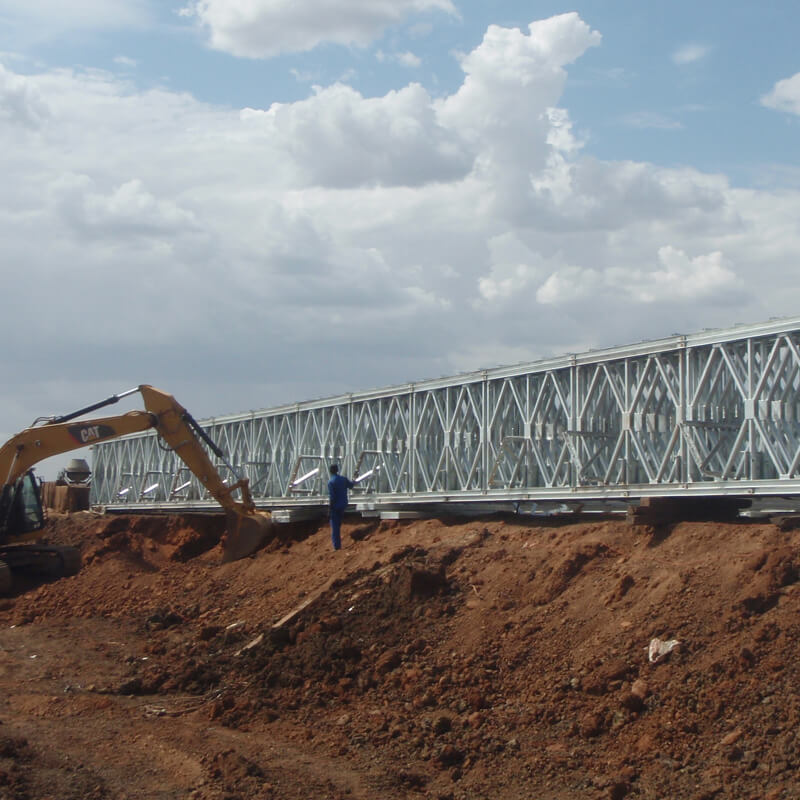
point(337, 491)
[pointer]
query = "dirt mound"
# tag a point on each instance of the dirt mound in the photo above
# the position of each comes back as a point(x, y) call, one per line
point(124, 559)
point(473, 659)
point(771, 570)
point(321, 655)
point(149, 539)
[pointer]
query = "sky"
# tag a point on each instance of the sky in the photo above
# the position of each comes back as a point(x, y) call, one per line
point(255, 202)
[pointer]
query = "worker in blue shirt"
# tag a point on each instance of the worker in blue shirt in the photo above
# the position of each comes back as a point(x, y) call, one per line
point(337, 492)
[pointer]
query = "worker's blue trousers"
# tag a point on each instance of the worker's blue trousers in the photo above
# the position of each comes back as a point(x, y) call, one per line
point(336, 525)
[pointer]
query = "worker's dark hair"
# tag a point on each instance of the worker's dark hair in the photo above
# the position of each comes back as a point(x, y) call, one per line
point(334, 469)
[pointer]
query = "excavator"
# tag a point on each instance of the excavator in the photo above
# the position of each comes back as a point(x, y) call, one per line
point(22, 515)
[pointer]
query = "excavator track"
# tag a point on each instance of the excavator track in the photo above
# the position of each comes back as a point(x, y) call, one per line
point(47, 561)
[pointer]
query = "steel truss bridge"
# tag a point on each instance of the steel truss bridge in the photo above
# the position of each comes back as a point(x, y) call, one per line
point(714, 413)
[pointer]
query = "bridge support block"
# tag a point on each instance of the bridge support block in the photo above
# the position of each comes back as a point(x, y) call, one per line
point(670, 510)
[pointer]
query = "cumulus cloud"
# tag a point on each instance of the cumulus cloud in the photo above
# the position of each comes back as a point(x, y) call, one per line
point(785, 95)
point(128, 209)
point(530, 67)
point(339, 138)
point(706, 278)
point(439, 233)
point(506, 106)
point(571, 284)
point(514, 267)
point(20, 101)
point(265, 28)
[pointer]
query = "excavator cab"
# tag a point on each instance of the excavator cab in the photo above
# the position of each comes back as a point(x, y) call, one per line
point(21, 515)
point(21, 509)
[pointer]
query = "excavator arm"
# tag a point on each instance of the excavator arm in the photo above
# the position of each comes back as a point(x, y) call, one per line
point(177, 427)
point(247, 528)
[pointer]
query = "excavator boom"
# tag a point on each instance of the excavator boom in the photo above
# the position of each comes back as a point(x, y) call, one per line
point(33, 445)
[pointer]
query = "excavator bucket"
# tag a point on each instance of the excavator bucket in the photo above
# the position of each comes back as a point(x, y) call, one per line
point(245, 534)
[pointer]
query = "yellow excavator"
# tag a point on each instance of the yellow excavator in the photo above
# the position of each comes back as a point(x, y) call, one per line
point(21, 513)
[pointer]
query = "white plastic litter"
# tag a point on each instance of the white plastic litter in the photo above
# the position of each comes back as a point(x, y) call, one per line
point(658, 649)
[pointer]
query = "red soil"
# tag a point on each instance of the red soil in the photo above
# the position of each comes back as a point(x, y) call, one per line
point(492, 658)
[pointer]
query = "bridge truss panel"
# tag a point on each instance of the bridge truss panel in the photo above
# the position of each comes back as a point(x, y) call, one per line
point(712, 413)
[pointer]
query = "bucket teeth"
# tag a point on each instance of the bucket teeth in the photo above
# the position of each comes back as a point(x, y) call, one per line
point(246, 533)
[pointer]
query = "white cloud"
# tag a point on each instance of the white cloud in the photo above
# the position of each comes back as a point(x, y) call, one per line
point(36, 20)
point(704, 278)
point(506, 105)
point(689, 53)
point(125, 61)
point(785, 95)
point(570, 284)
point(408, 59)
point(513, 268)
point(21, 103)
point(8, 56)
point(405, 59)
point(265, 28)
point(128, 209)
point(303, 76)
point(339, 138)
point(434, 233)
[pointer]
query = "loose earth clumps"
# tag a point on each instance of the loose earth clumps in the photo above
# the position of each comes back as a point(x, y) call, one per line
point(491, 658)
